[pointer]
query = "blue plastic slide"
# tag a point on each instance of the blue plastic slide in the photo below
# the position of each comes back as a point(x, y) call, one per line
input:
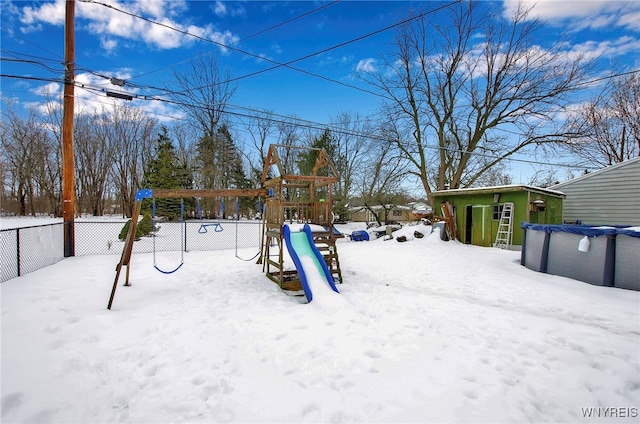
point(300, 245)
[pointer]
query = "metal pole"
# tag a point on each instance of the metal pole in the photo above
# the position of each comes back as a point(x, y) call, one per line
point(18, 250)
point(68, 167)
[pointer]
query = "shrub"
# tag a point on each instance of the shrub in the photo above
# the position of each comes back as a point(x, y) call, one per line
point(144, 228)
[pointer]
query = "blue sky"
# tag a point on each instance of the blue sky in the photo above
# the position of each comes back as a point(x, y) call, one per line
point(110, 43)
point(114, 44)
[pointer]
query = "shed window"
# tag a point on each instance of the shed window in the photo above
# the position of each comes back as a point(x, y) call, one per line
point(497, 211)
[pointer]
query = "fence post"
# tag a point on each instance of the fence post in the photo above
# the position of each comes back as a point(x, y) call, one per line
point(18, 249)
point(185, 235)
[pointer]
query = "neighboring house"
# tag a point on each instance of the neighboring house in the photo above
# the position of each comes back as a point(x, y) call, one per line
point(395, 213)
point(609, 196)
point(477, 211)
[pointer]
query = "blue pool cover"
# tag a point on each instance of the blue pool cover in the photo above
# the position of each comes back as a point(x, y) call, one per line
point(583, 230)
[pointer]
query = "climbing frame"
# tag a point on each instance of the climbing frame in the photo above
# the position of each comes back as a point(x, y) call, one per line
point(299, 199)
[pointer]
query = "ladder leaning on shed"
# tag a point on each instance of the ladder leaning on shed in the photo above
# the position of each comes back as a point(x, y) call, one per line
point(505, 228)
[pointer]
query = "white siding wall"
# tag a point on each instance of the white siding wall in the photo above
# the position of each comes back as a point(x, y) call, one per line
point(610, 196)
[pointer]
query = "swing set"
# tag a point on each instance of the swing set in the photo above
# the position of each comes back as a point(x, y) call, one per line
point(288, 198)
point(125, 258)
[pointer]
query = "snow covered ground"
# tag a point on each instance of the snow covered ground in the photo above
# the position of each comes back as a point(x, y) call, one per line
point(422, 331)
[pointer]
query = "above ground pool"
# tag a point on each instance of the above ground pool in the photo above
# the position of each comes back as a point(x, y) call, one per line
point(603, 255)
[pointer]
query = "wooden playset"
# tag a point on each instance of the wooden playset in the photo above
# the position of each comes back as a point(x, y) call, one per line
point(290, 199)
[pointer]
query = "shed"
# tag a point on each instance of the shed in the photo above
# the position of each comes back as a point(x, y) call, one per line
point(609, 196)
point(477, 210)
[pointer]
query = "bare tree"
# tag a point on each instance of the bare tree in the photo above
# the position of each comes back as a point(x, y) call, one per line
point(262, 128)
point(50, 171)
point(24, 144)
point(288, 134)
point(203, 92)
point(48, 175)
point(609, 125)
point(185, 138)
point(132, 135)
point(452, 88)
point(94, 148)
point(379, 180)
point(353, 140)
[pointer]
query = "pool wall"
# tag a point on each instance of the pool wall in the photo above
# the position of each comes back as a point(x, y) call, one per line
point(612, 258)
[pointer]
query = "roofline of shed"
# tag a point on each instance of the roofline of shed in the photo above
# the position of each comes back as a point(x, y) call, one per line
point(497, 189)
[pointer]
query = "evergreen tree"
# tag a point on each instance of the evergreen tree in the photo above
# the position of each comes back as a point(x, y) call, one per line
point(307, 160)
point(163, 172)
point(220, 166)
point(232, 169)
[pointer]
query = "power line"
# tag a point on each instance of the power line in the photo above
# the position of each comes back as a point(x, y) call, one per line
point(344, 43)
point(252, 35)
point(297, 122)
point(339, 45)
point(231, 47)
point(317, 9)
point(276, 63)
point(61, 58)
point(33, 62)
point(61, 81)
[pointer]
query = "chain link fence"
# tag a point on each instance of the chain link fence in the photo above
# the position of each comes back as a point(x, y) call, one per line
point(28, 249)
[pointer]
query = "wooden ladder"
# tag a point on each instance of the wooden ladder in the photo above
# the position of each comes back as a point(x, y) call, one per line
point(505, 229)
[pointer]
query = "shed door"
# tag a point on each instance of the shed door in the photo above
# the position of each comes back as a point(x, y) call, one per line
point(481, 225)
point(468, 224)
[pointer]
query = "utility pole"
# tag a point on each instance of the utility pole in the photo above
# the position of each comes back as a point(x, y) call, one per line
point(68, 167)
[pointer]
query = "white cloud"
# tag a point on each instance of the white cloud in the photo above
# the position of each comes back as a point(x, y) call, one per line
point(329, 60)
point(50, 89)
point(111, 24)
point(30, 28)
point(609, 48)
point(593, 14)
point(366, 65)
point(222, 9)
point(219, 8)
point(631, 20)
point(90, 101)
point(108, 44)
point(51, 13)
point(262, 58)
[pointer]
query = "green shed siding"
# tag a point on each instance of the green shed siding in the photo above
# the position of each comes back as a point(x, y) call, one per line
point(481, 227)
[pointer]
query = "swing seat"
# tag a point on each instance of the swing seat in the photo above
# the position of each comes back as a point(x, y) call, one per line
point(217, 227)
point(168, 272)
point(155, 227)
